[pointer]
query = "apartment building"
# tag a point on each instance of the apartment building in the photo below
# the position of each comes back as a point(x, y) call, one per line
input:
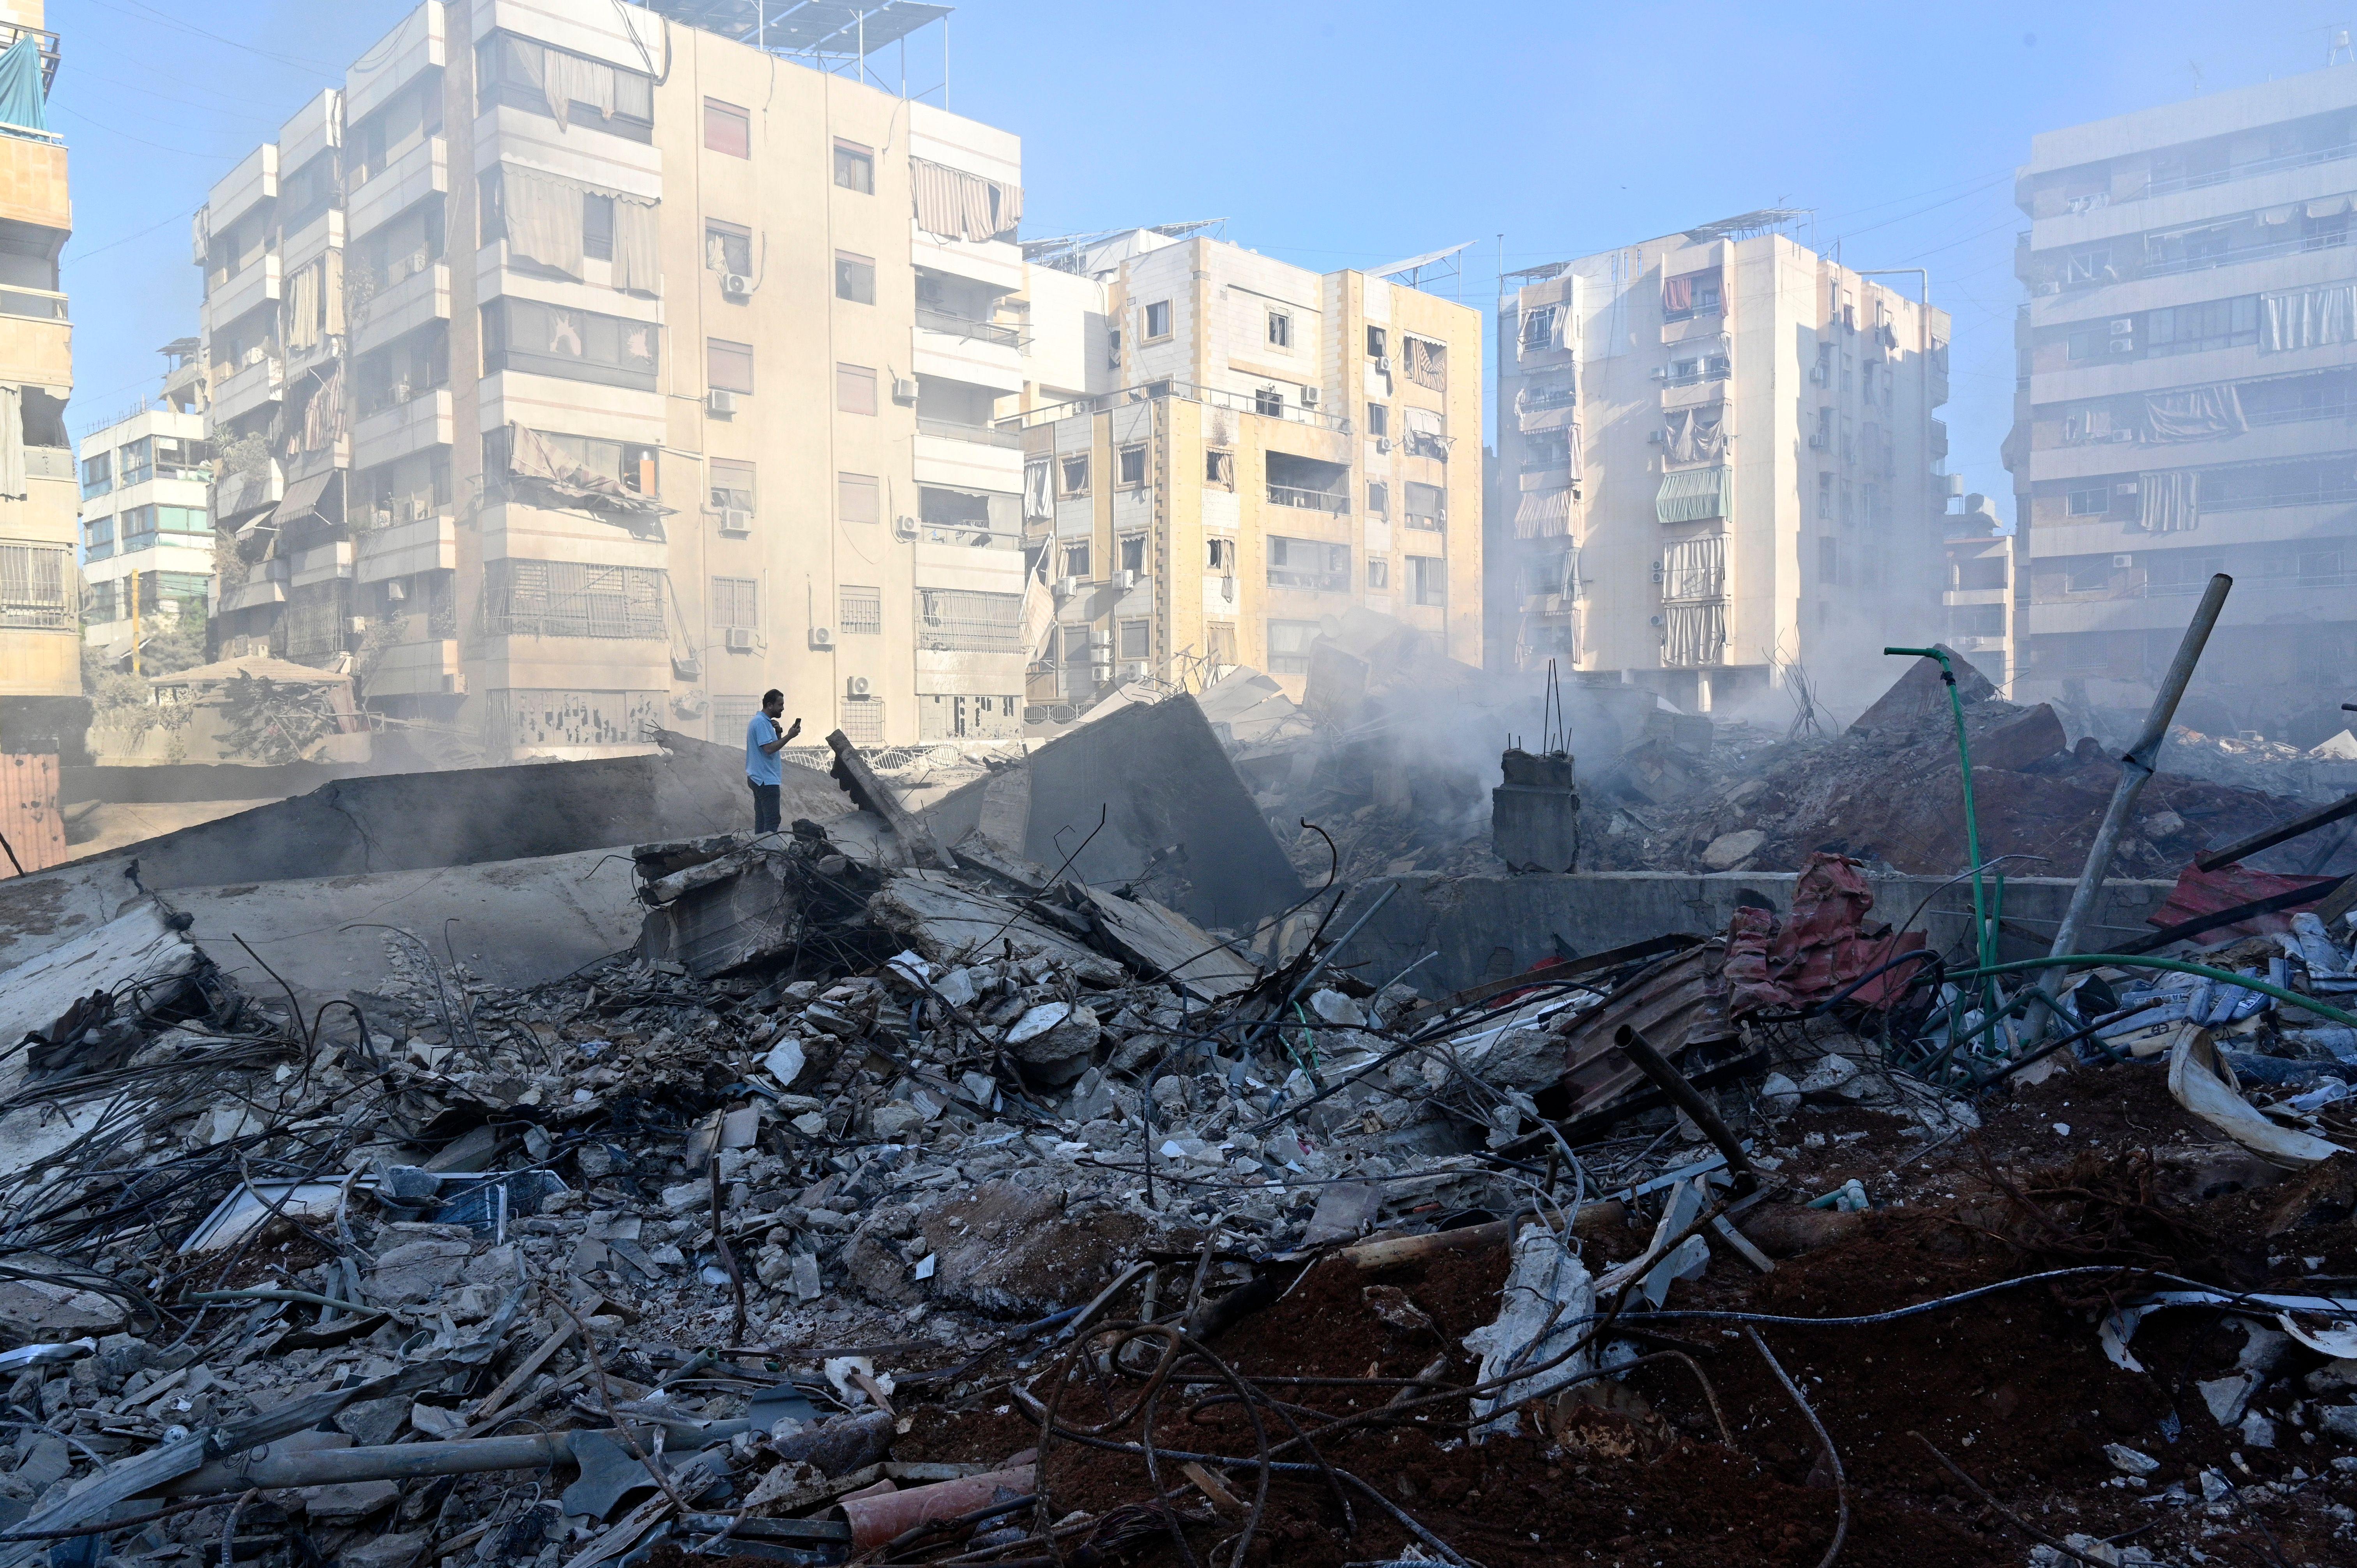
point(2188, 372)
point(1259, 448)
point(147, 531)
point(575, 371)
point(41, 707)
point(1716, 457)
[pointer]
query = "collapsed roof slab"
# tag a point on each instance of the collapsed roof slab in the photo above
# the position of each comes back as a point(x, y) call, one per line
point(1489, 927)
point(1170, 798)
point(468, 816)
point(512, 923)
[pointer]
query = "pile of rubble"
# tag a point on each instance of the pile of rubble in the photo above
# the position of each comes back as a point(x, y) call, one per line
point(1888, 791)
point(1038, 1178)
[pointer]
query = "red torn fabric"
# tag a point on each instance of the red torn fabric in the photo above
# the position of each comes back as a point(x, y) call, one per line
point(2200, 893)
point(1818, 950)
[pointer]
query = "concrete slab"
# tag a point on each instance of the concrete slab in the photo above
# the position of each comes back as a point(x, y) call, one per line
point(1178, 820)
point(1487, 928)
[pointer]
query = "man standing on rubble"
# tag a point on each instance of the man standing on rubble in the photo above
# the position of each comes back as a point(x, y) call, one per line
point(763, 771)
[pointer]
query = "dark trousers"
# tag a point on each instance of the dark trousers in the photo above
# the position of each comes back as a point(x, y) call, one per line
point(765, 807)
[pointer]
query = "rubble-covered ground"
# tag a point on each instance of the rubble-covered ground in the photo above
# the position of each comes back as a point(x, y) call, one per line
point(929, 1205)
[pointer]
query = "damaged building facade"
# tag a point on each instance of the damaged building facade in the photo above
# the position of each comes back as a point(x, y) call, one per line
point(147, 535)
point(41, 706)
point(1265, 448)
point(2191, 363)
point(1716, 457)
point(518, 407)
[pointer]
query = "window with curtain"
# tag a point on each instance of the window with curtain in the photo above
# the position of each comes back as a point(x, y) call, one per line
point(728, 129)
point(727, 366)
point(854, 389)
point(534, 337)
point(859, 498)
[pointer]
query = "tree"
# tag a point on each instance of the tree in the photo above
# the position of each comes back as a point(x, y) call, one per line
point(271, 720)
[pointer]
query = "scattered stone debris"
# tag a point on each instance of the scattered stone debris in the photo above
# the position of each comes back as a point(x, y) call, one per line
point(905, 1197)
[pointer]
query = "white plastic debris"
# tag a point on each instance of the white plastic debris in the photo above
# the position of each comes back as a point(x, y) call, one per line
point(1543, 1311)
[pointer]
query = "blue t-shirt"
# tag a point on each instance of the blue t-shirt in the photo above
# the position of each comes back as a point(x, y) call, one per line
point(760, 767)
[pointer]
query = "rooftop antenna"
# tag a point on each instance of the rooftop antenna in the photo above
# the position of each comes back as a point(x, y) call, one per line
point(2341, 53)
point(1555, 734)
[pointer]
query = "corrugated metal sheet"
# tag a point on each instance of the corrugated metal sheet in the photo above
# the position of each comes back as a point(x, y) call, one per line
point(30, 817)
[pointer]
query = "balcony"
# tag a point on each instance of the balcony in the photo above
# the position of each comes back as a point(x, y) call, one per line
point(422, 296)
point(36, 348)
point(327, 563)
point(1309, 501)
point(248, 289)
point(255, 386)
point(953, 429)
point(427, 669)
point(253, 181)
point(422, 171)
point(414, 46)
point(405, 549)
point(978, 353)
point(405, 427)
point(336, 453)
point(317, 235)
point(1210, 397)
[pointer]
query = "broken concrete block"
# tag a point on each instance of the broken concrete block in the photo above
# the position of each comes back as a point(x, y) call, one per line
point(1832, 1074)
point(2128, 1461)
point(1332, 1007)
point(41, 1310)
point(1778, 1095)
point(2227, 1396)
point(2017, 743)
point(686, 1196)
point(373, 1424)
point(1728, 851)
point(895, 1120)
point(348, 1502)
point(1009, 1250)
point(1055, 1041)
point(384, 1551)
point(416, 1272)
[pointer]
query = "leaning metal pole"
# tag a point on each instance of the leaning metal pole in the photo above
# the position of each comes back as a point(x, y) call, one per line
point(2135, 772)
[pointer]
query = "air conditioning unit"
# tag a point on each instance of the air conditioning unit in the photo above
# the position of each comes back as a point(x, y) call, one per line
point(821, 637)
point(1661, 373)
point(1384, 363)
point(686, 667)
point(383, 517)
point(858, 687)
point(721, 403)
point(1820, 376)
point(740, 640)
point(454, 685)
point(1820, 441)
point(1656, 437)
point(904, 390)
point(1309, 397)
point(1099, 639)
point(395, 590)
point(2122, 562)
point(904, 527)
point(1128, 580)
point(1067, 587)
point(2123, 346)
point(1383, 445)
point(735, 285)
point(736, 522)
point(2123, 326)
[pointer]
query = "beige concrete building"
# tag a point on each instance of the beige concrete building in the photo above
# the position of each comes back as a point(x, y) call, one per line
point(1222, 451)
point(576, 370)
point(1716, 457)
point(2188, 369)
point(40, 652)
point(146, 537)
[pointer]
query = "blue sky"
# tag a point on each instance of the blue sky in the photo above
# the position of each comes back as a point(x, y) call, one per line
point(1327, 135)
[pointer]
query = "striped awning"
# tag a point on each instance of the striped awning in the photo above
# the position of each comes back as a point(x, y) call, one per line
point(1543, 515)
point(1692, 495)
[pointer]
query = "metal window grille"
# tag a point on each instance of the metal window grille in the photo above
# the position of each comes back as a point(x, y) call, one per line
point(736, 603)
point(33, 587)
point(863, 720)
point(315, 620)
point(861, 612)
point(958, 620)
point(729, 717)
point(571, 598)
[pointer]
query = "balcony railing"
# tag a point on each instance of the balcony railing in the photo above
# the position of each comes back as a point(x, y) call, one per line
point(2173, 267)
point(2239, 171)
point(2339, 408)
point(1317, 582)
point(1210, 397)
point(983, 434)
point(1310, 500)
point(967, 327)
point(39, 304)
